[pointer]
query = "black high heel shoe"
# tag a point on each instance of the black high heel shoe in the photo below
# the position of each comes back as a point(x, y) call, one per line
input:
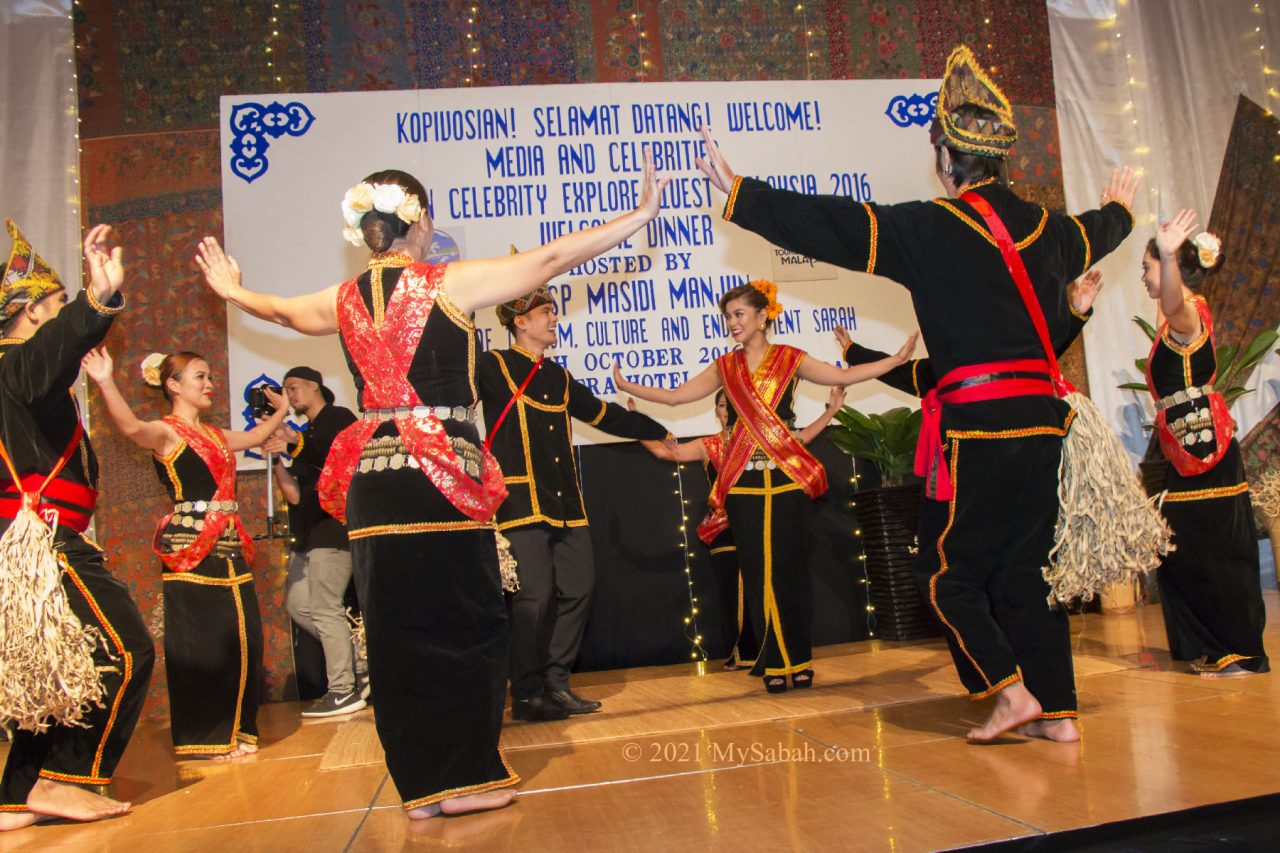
point(803, 679)
point(775, 683)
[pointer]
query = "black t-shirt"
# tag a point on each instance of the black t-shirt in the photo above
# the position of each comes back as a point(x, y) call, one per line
point(311, 526)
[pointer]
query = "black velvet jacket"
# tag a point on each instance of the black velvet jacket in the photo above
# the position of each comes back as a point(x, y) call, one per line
point(38, 409)
point(534, 444)
point(965, 301)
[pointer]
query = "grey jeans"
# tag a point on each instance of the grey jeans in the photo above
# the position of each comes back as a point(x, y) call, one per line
point(314, 589)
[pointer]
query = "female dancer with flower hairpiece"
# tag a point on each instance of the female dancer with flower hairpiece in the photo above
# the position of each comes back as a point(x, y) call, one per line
point(767, 473)
point(411, 479)
point(1210, 589)
point(212, 628)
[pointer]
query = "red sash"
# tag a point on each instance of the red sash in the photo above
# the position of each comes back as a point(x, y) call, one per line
point(1185, 463)
point(383, 355)
point(33, 488)
point(755, 398)
point(930, 462)
point(209, 444)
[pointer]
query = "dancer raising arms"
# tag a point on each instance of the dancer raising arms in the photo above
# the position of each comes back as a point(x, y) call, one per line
point(52, 773)
point(411, 480)
point(992, 437)
point(212, 626)
point(767, 473)
point(1210, 590)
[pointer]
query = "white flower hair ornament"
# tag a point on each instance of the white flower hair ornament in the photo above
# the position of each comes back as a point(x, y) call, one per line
point(384, 198)
point(1208, 248)
point(151, 369)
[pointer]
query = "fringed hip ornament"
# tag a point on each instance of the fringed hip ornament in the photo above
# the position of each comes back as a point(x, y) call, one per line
point(355, 623)
point(1108, 530)
point(47, 673)
point(507, 565)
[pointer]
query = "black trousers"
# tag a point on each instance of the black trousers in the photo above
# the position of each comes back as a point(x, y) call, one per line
point(984, 576)
point(769, 516)
point(1210, 588)
point(88, 755)
point(549, 612)
point(212, 656)
point(741, 611)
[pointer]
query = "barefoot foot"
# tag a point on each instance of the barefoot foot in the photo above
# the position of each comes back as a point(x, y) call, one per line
point(1059, 731)
point(423, 812)
point(478, 802)
point(1014, 706)
point(15, 820)
point(57, 799)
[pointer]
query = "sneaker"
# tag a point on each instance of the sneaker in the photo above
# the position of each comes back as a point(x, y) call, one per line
point(362, 684)
point(334, 704)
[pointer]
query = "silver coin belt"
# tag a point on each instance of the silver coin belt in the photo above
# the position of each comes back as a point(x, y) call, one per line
point(227, 545)
point(760, 461)
point(443, 413)
point(183, 518)
point(388, 453)
point(1185, 395)
point(1196, 426)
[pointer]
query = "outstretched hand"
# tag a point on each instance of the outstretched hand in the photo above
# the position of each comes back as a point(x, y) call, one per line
point(105, 262)
point(651, 188)
point(714, 166)
point(619, 380)
point(1172, 234)
point(97, 364)
point(221, 272)
point(835, 400)
point(1122, 187)
point(1086, 290)
point(903, 355)
point(842, 339)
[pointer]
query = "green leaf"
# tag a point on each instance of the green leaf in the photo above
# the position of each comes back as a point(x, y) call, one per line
point(1146, 327)
point(1133, 386)
point(1141, 364)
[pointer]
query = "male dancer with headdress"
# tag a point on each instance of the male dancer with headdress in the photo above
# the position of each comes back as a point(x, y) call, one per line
point(994, 426)
point(543, 516)
point(45, 335)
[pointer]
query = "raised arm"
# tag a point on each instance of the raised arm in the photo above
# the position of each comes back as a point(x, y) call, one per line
point(313, 314)
point(1184, 320)
point(156, 436)
point(822, 373)
point(476, 284)
point(237, 441)
point(700, 386)
point(835, 402)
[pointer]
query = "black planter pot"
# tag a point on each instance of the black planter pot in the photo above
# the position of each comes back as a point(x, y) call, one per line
point(889, 518)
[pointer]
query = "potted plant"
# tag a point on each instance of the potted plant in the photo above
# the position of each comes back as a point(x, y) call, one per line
point(889, 516)
point(1235, 363)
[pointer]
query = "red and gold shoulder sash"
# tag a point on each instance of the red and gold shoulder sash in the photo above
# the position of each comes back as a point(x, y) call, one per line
point(383, 353)
point(209, 444)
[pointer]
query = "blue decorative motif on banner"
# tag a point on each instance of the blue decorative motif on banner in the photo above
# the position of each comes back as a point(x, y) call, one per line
point(247, 412)
point(252, 124)
point(906, 110)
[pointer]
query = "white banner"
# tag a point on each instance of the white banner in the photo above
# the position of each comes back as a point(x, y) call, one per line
point(522, 165)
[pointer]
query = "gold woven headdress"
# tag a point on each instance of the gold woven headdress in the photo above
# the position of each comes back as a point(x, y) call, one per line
point(27, 277)
point(964, 82)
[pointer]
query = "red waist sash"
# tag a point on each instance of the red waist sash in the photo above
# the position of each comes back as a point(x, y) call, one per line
point(64, 491)
point(973, 383)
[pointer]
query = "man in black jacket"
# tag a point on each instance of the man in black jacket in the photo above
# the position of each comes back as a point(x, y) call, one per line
point(543, 516)
point(45, 335)
point(320, 565)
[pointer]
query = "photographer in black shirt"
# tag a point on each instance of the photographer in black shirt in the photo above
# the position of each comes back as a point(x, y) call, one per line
point(320, 565)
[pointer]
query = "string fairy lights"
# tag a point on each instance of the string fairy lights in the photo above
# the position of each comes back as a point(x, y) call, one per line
point(691, 631)
point(855, 480)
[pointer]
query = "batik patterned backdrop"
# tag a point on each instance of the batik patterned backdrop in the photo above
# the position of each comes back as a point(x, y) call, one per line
point(151, 73)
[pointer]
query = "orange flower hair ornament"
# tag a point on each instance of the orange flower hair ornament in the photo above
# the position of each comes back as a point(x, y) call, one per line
point(769, 290)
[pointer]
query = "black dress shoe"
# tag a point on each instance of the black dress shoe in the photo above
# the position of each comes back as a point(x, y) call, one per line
point(536, 710)
point(571, 703)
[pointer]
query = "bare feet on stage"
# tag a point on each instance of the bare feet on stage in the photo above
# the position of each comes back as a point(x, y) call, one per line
point(462, 805)
point(1015, 706)
point(1058, 731)
point(58, 799)
point(240, 751)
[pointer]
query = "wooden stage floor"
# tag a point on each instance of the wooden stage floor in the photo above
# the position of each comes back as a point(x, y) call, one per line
point(873, 757)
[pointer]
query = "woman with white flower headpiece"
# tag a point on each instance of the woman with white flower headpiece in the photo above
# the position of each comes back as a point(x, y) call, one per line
point(1210, 589)
point(413, 483)
point(212, 627)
